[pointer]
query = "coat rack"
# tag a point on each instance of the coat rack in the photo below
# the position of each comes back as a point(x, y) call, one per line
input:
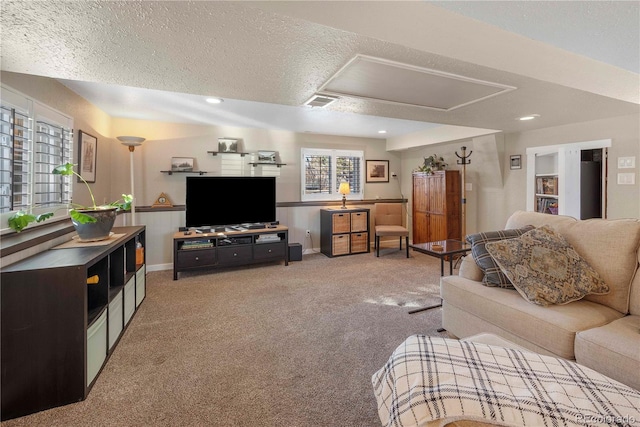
point(464, 161)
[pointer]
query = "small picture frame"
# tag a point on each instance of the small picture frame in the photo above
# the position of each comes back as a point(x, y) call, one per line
point(377, 171)
point(228, 145)
point(182, 164)
point(267, 156)
point(87, 156)
point(516, 162)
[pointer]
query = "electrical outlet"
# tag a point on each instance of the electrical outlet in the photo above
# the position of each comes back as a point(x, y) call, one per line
point(307, 233)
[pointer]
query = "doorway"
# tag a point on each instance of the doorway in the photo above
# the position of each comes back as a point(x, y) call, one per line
point(592, 188)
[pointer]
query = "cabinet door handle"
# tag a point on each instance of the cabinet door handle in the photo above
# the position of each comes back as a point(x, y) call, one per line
point(235, 254)
point(269, 251)
point(197, 258)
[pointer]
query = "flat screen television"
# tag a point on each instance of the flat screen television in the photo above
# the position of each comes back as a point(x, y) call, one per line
point(226, 200)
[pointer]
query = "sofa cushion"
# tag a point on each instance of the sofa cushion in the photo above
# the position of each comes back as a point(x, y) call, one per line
point(552, 328)
point(493, 276)
point(521, 218)
point(634, 295)
point(613, 350)
point(470, 270)
point(544, 268)
point(611, 248)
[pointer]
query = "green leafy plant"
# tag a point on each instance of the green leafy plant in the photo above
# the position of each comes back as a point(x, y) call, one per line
point(21, 219)
point(431, 164)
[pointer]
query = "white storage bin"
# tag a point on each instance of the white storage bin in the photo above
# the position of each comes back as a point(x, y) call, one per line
point(140, 285)
point(116, 318)
point(129, 299)
point(96, 346)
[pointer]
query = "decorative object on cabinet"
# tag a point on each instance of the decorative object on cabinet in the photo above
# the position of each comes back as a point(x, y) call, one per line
point(344, 231)
point(432, 164)
point(377, 171)
point(182, 164)
point(228, 145)
point(73, 328)
point(516, 161)
point(87, 156)
point(132, 142)
point(91, 222)
point(267, 157)
point(436, 206)
point(162, 201)
point(344, 190)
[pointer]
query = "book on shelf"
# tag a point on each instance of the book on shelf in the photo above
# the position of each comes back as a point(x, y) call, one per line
point(546, 205)
point(197, 244)
point(267, 238)
point(547, 185)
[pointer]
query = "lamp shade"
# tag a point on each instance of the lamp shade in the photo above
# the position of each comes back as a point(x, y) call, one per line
point(131, 141)
point(344, 188)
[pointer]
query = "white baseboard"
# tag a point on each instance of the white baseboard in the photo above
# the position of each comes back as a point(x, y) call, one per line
point(159, 267)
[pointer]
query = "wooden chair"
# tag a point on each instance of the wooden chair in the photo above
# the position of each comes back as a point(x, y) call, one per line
point(388, 222)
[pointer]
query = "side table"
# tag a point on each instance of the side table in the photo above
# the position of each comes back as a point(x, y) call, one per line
point(450, 247)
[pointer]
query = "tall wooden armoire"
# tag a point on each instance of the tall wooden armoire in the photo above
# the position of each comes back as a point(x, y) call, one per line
point(437, 202)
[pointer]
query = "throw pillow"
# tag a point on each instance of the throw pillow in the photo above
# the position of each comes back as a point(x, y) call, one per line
point(493, 276)
point(545, 269)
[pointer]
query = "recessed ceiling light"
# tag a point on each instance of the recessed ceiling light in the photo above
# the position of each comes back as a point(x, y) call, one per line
point(214, 100)
point(529, 117)
point(382, 131)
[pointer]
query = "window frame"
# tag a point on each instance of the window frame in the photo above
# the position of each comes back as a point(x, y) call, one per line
point(39, 113)
point(333, 194)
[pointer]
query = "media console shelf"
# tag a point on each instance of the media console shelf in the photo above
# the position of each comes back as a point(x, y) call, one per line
point(63, 312)
point(231, 248)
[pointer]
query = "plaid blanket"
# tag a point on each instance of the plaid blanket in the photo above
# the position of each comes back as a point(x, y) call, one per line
point(433, 381)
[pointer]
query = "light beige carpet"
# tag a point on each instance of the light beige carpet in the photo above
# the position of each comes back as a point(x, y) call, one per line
point(266, 345)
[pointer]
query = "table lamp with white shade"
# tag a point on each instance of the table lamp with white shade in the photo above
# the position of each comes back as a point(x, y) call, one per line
point(344, 190)
point(132, 142)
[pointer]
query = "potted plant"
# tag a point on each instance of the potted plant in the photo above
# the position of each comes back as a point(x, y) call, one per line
point(91, 222)
point(431, 164)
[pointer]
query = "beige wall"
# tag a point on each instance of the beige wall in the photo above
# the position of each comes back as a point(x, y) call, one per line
point(496, 191)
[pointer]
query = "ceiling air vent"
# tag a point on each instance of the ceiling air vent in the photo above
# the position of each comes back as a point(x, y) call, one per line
point(320, 101)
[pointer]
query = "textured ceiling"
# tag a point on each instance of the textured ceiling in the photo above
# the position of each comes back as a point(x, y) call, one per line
point(279, 54)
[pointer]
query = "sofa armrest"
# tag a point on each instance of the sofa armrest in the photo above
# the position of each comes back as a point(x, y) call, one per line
point(470, 270)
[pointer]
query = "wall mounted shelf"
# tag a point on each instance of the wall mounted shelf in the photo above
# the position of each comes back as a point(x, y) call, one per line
point(215, 153)
point(172, 172)
point(254, 164)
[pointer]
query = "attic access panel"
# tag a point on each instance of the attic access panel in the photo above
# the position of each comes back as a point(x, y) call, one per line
point(388, 81)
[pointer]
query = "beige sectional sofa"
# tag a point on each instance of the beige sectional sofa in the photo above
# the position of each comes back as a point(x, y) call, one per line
point(601, 332)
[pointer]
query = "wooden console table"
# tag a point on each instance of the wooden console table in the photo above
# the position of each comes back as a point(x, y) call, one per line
point(229, 248)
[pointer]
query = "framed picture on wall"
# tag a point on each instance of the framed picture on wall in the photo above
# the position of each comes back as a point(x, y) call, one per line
point(377, 171)
point(87, 156)
point(516, 162)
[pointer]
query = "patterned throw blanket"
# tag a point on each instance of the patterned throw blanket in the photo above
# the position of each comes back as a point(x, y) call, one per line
point(433, 381)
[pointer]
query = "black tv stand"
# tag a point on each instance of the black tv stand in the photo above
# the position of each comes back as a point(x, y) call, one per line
point(231, 248)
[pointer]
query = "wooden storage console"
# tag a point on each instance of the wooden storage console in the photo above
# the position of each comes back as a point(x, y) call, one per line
point(344, 231)
point(58, 330)
point(231, 248)
point(437, 208)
